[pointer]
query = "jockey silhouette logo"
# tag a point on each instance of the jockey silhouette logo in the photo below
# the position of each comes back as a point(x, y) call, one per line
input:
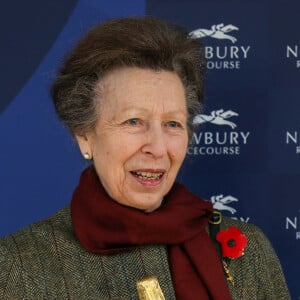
point(217, 117)
point(220, 202)
point(218, 31)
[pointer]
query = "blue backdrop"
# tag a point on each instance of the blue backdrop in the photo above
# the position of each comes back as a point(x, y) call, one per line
point(245, 156)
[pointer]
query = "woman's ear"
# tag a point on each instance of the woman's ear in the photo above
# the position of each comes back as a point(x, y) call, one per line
point(85, 145)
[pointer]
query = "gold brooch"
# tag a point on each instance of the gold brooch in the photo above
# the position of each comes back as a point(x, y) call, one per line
point(149, 289)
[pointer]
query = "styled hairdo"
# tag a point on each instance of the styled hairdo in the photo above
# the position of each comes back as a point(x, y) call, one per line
point(143, 42)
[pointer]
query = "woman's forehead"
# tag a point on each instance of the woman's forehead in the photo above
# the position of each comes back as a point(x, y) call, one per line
point(134, 88)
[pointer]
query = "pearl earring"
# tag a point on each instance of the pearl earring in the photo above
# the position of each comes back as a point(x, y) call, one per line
point(87, 156)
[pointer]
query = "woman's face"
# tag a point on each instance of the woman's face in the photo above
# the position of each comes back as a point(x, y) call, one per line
point(140, 139)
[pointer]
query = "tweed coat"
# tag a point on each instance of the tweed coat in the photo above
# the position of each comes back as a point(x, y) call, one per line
point(46, 261)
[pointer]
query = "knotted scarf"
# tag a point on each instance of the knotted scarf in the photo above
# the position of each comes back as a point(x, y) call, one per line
point(104, 226)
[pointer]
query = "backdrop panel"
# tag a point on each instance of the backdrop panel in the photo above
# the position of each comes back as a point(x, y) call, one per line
point(40, 163)
point(245, 155)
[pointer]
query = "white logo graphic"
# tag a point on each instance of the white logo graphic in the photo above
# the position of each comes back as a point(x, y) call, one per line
point(293, 52)
point(217, 142)
point(228, 55)
point(218, 117)
point(292, 138)
point(292, 223)
point(220, 202)
point(218, 31)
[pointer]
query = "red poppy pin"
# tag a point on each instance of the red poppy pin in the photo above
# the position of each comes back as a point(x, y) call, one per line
point(233, 242)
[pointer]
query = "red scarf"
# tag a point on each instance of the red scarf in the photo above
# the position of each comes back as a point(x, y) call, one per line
point(103, 226)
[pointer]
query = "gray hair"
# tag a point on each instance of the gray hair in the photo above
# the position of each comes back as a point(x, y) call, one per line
point(143, 42)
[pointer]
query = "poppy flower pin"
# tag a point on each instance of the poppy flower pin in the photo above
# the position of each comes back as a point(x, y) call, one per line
point(233, 242)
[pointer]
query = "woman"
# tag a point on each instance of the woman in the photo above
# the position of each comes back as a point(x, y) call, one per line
point(128, 92)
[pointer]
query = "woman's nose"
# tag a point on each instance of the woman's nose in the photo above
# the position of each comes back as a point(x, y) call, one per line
point(155, 142)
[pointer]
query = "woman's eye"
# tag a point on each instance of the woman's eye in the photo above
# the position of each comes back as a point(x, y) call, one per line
point(133, 121)
point(173, 124)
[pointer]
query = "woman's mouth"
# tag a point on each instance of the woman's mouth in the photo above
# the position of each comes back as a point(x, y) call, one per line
point(147, 177)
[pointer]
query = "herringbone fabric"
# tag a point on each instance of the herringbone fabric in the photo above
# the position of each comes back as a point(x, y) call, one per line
point(45, 261)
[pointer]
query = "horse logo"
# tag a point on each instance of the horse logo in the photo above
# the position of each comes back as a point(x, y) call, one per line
point(221, 203)
point(217, 117)
point(218, 31)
